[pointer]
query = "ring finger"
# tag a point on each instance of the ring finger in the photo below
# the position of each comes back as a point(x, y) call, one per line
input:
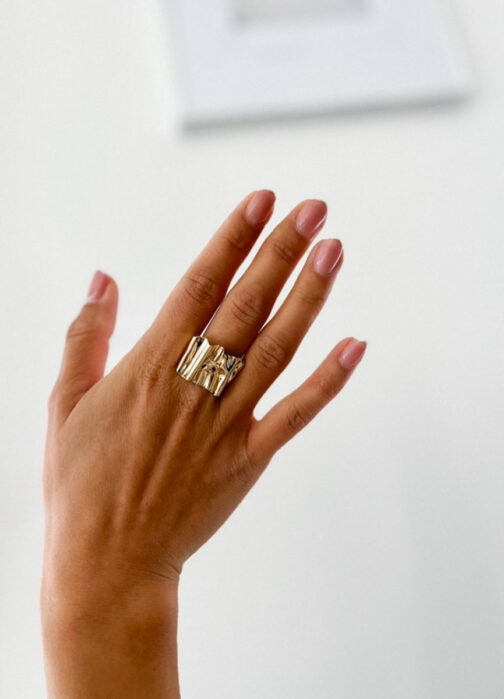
point(277, 343)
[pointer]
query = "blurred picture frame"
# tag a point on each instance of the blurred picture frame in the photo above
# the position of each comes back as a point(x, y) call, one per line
point(248, 59)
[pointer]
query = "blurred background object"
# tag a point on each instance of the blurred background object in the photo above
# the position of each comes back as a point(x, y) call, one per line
point(245, 59)
point(368, 562)
point(288, 9)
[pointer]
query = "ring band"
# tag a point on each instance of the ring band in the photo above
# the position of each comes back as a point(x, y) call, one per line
point(208, 365)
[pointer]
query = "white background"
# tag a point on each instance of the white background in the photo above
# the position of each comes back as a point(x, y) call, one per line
point(368, 562)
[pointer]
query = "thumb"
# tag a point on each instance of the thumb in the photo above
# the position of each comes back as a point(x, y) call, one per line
point(87, 343)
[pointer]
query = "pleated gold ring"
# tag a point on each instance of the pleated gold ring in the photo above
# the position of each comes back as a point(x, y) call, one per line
point(209, 366)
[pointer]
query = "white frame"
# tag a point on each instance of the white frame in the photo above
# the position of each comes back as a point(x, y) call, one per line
point(396, 52)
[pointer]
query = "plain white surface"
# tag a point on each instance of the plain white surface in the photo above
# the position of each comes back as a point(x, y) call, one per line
point(391, 52)
point(368, 562)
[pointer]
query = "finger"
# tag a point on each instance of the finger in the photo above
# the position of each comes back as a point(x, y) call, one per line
point(196, 296)
point(249, 303)
point(278, 341)
point(87, 344)
point(293, 413)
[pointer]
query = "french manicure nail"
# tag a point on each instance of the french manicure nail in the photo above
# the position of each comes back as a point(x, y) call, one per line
point(311, 218)
point(259, 208)
point(327, 255)
point(351, 353)
point(97, 286)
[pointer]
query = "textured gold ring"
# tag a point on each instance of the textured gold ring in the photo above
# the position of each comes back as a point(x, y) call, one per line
point(208, 365)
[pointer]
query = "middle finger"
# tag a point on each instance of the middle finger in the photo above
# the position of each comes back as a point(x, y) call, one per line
point(248, 305)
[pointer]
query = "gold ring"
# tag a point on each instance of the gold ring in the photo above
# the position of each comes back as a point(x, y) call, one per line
point(208, 365)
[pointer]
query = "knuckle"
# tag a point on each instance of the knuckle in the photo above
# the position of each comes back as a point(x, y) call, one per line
point(238, 238)
point(271, 352)
point(312, 297)
point(86, 323)
point(152, 370)
point(327, 388)
point(188, 400)
point(284, 249)
point(202, 289)
point(241, 469)
point(246, 306)
point(297, 418)
point(157, 377)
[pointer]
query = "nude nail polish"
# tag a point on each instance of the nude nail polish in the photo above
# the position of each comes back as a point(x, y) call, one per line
point(351, 353)
point(97, 287)
point(259, 208)
point(311, 218)
point(327, 255)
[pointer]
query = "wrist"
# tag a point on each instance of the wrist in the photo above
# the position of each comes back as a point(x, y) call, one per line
point(148, 607)
point(115, 634)
point(96, 589)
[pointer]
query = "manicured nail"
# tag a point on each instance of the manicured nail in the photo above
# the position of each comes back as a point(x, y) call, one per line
point(311, 218)
point(327, 255)
point(351, 354)
point(259, 208)
point(97, 287)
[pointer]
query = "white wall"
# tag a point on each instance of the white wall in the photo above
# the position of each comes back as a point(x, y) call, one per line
point(369, 561)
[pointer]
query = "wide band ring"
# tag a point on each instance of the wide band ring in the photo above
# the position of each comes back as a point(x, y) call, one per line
point(208, 365)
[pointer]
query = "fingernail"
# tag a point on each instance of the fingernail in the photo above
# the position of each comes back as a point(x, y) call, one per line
point(327, 255)
point(259, 208)
point(97, 287)
point(351, 353)
point(311, 218)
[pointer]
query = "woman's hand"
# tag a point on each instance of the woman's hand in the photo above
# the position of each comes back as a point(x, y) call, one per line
point(142, 467)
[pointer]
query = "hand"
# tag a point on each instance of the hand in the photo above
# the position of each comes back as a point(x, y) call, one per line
point(142, 467)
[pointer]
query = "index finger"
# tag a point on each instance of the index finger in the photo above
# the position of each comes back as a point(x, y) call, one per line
point(199, 292)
